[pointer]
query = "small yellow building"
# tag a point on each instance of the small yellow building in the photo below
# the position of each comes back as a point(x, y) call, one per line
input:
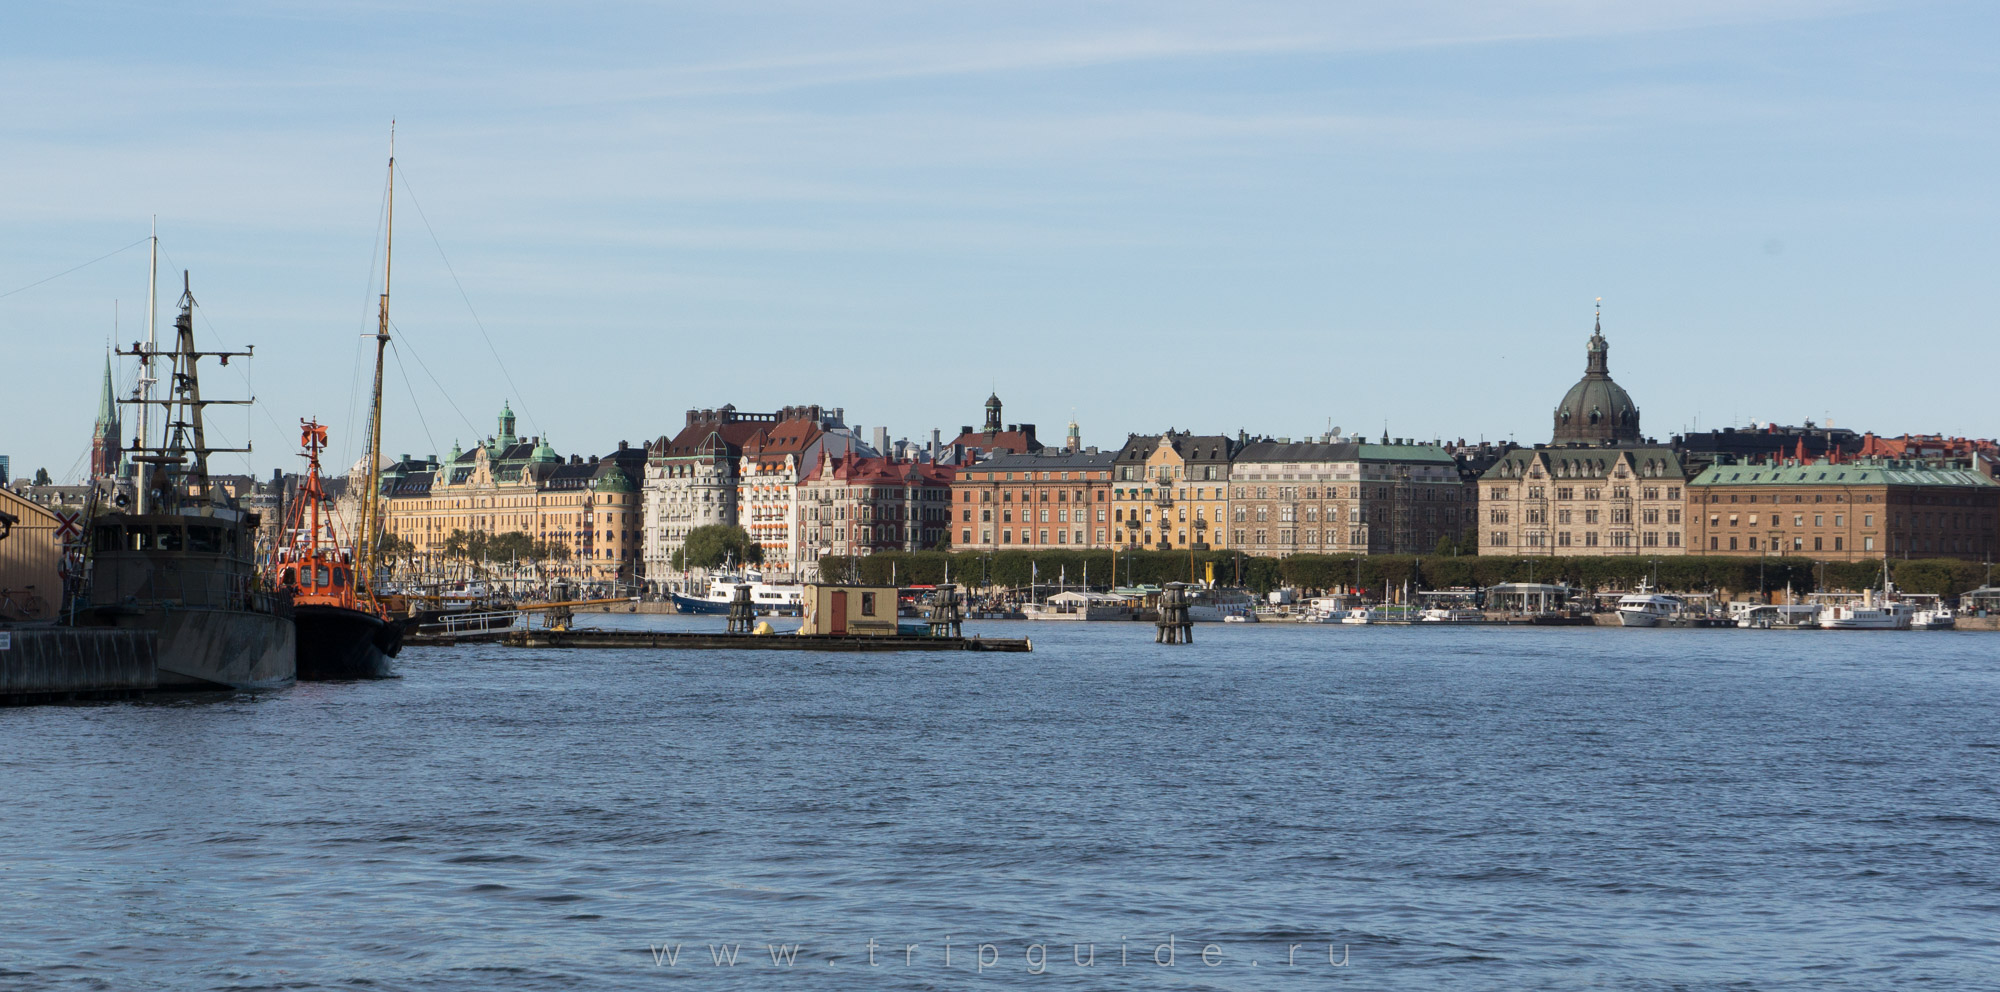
point(849, 610)
point(30, 581)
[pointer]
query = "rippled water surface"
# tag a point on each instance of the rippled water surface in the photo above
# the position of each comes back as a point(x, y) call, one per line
point(1458, 808)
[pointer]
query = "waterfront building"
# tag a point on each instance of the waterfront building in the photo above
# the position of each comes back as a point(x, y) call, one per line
point(1576, 500)
point(588, 508)
point(1171, 491)
point(1845, 510)
point(1058, 499)
point(994, 437)
point(858, 505)
point(1598, 488)
point(690, 479)
point(1344, 496)
point(774, 462)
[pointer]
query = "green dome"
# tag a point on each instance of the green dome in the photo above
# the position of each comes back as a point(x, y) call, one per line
point(544, 453)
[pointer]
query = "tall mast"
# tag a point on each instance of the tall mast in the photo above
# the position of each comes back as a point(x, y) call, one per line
point(146, 379)
point(371, 517)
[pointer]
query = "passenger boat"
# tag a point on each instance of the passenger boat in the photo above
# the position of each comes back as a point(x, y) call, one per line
point(1209, 605)
point(1778, 617)
point(1868, 616)
point(1381, 614)
point(1451, 614)
point(343, 633)
point(1647, 608)
point(766, 598)
point(1883, 611)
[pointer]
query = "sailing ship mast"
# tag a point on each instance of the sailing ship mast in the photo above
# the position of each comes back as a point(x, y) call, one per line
point(371, 512)
point(182, 456)
point(146, 378)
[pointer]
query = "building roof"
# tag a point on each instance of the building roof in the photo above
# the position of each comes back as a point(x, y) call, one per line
point(866, 471)
point(1299, 451)
point(1872, 472)
point(413, 484)
point(1194, 449)
point(1648, 461)
point(1019, 440)
point(1049, 459)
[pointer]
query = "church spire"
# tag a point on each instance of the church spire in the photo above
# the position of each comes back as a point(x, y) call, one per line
point(107, 454)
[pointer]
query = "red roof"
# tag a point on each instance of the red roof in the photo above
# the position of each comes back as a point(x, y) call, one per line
point(856, 471)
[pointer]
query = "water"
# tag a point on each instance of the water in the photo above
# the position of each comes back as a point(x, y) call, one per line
point(1455, 808)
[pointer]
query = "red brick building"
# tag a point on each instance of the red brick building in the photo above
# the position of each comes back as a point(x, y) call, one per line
point(858, 505)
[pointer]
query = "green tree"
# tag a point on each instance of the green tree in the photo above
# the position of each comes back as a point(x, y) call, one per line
point(711, 546)
point(42, 477)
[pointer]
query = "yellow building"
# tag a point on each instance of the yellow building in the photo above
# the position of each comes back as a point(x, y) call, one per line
point(508, 484)
point(1170, 492)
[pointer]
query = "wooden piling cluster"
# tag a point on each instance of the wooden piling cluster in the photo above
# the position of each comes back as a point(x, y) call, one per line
point(1174, 625)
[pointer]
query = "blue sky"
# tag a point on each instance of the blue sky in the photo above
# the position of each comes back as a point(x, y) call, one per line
point(1262, 216)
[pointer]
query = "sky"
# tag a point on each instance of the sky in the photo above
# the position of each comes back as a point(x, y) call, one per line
point(1260, 216)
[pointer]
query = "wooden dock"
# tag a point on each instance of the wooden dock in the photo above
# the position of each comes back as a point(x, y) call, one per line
point(700, 641)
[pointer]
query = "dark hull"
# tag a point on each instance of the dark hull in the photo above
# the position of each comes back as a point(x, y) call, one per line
point(689, 604)
point(339, 644)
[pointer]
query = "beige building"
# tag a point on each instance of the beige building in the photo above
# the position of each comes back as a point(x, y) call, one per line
point(1342, 496)
point(1583, 501)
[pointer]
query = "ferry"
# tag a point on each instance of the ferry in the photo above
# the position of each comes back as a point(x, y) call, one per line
point(1646, 608)
point(1382, 614)
point(1875, 611)
point(766, 598)
point(1218, 605)
point(1452, 614)
point(1779, 617)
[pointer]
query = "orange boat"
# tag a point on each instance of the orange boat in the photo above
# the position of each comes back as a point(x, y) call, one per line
point(343, 633)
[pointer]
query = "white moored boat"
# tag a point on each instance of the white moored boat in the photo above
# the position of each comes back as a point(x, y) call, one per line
point(1445, 614)
point(1647, 608)
point(1882, 610)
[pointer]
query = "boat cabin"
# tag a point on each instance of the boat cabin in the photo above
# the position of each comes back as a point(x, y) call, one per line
point(839, 610)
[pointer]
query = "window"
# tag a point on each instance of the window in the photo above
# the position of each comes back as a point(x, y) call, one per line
point(867, 604)
point(1867, 544)
point(965, 536)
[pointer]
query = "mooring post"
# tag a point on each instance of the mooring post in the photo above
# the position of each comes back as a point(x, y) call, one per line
point(742, 616)
point(1173, 626)
point(945, 617)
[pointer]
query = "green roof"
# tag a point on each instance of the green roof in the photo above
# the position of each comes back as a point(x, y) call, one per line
point(1864, 473)
point(1404, 453)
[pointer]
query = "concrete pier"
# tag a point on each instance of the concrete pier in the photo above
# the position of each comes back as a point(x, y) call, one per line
point(44, 664)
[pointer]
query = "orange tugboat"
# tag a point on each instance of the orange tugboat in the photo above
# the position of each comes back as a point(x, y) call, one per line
point(342, 633)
